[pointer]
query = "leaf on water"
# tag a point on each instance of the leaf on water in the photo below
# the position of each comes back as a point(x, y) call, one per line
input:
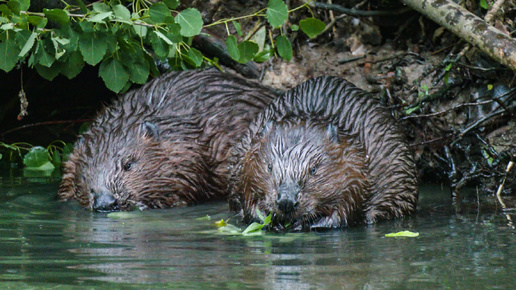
point(190, 21)
point(123, 214)
point(221, 223)
point(277, 12)
point(284, 47)
point(45, 167)
point(231, 44)
point(204, 218)
point(312, 26)
point(407, 234)
point(230, 230)
point(253, 228)
point(114, 74)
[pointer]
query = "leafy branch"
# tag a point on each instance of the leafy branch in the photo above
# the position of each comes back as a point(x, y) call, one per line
point(124, 43)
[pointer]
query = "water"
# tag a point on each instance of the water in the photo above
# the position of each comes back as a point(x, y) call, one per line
point(45, 243)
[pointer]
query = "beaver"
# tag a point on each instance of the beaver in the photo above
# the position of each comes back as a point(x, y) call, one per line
point(163, 145)
point(323, 155)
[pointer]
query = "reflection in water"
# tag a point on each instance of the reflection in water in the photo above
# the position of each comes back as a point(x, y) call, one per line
point(44, 241)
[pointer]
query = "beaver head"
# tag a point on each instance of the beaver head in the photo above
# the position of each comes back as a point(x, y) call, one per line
point(127, 165)
point(306, 174)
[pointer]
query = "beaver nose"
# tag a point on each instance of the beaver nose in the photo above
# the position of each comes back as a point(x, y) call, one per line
point(287, 197)
point(103, 201)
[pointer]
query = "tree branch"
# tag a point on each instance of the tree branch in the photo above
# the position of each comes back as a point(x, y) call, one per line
point(469, 27)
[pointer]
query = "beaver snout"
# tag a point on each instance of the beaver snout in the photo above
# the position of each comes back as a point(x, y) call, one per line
point(287, 197)
point(104, 201)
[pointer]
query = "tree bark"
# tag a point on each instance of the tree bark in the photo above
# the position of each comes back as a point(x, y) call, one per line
point(469, 27)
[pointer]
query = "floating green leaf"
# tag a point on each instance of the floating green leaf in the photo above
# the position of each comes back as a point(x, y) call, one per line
point(247, 50)
point(277, 12)
point(158, 12)
point(284, 47)
point(57, 15)
point(8, 54)
point(114, 74)
point(312, 26)
point(191, 22)
point(92, 48)
point(407, 234)
point(231, 44)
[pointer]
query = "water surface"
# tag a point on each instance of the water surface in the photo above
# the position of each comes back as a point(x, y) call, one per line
point(45, 243)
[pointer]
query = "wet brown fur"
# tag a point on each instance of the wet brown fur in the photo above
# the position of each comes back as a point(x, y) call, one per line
point(173, 135)
point(364, 174)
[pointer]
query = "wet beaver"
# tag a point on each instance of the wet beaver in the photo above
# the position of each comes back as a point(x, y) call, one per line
point(324, 155)
point(163, 145)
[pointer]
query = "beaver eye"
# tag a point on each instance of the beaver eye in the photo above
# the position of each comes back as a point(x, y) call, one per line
point(269, 168)
point(313, 170)
point(127, 165)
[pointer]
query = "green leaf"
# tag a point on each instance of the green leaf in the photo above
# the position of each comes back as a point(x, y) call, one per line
point(248, 50)
point(5, 11)
point(43, 56)
point(36, 157)
point(72, 66)
point(312, 26)
point(265, 55)
point(277, 12)
point(238, 28)
point(99, 18)
point(284, 48)
point(259, 37)
point(92, 48)
point(57, 15)
point(24, 4)
point(195, 56)
point(114, 74)
point(231, 44)
point(139, 73)
point(158, 12)
point(253, 228)
point(164, 37)
point(140, 30)
point(403, 234)
point(14, 6)
point(294, 27)
point(100, 7)
point(38, 21)
point(48, 73)
point(122, 12)
point(47, 166)
point(190, 21)
point(484, 4)
point(172, 4)
point(9, 52)
point(28, 45)
point(159, 46)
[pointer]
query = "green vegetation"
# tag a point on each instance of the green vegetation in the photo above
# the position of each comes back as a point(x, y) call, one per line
point(125, 37)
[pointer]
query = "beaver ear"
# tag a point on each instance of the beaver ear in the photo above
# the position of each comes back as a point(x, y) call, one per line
point(149, 130)
point(333, 133)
